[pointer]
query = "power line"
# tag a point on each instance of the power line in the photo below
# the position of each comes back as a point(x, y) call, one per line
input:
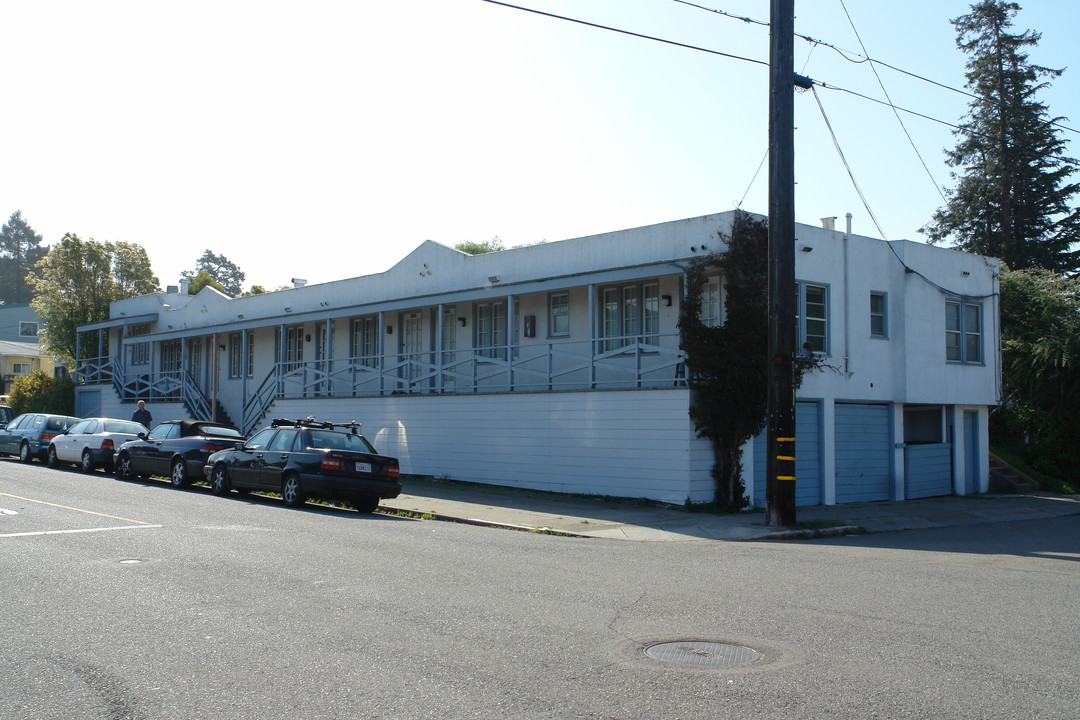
point(746, 59)
point(628, 32)
point(895, 111)
point(846, 54)
point(843, 159)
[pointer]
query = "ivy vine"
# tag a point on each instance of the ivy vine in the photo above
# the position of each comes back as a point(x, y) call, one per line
point(727, 365)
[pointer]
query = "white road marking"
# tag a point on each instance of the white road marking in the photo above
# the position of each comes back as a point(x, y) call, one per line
point(84, 530)
point(7, 512)
point(65, 507)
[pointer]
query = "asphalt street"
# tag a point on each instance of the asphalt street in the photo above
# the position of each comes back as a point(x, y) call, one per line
point(133, 600)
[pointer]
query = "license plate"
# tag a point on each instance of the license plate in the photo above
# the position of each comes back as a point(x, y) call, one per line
point(363, 467)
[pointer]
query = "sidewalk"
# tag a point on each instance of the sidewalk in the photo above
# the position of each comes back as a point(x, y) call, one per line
point(632, 520)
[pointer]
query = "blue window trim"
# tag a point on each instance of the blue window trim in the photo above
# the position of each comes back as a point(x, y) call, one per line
point(964, 331)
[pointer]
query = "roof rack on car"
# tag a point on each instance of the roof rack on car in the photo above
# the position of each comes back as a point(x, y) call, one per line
point(311, 422)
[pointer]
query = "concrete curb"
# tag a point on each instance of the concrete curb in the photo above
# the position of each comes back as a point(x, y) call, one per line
point(809, 534)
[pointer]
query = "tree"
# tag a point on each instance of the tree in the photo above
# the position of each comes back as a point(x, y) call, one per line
point(1012, 200)
point(75, 282)
point(1040, 352)
point(198, 282)
point(38, 392)
point(472, 247)
point(728, 364)
point(20, 248)
point(225, 273)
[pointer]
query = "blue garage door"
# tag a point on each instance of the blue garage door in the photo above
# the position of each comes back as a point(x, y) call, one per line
point(807, 457)
point(928, 470)
point(864, 450)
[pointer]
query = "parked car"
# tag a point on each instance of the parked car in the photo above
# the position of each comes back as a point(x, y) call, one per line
point(307, 458)
point(91, 443)
point(6, 415)
point(29, 435)
point(176, 449)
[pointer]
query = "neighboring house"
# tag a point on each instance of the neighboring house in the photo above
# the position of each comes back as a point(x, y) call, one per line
point(21, 358)
point(558, 367)
point(18, 323)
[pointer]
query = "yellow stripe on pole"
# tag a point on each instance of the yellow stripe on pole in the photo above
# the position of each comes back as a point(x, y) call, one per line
point(785, 477)
point(785, 457)
point(785, 439)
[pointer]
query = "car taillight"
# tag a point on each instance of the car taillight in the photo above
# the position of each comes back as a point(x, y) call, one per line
point(46, 436)
point(392, 471)
point(211, 448)
point(107, 444)
point(332, 463)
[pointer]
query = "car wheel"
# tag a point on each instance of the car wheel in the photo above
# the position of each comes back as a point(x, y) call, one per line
point(179, 476)
point(123, 468)
point(87, 463)
point(366, 505)
point(219, 480)
point(52, 461)
point(292, 492)
point(24, 453)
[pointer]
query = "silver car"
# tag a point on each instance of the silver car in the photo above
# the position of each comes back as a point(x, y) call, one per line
point(90, 443)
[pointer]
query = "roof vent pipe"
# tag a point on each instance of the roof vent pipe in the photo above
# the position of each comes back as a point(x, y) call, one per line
point(829, 223)
point(299, 282)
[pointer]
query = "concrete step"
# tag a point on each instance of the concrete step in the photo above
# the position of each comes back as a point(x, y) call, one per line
point(1004, 478)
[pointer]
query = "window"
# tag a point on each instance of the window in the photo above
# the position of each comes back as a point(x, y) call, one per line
point(284, 441)
point(559, 314)
point(878, 318)
point(363, 341)
point(711, 307)
point(236, 354)
point(630, 314)
point(813, 317)
point(170, 357)
point(491, 329)
point(260, 440)
point(963, 332)
point(28, 329)
point(20, 368)
point(140, 352)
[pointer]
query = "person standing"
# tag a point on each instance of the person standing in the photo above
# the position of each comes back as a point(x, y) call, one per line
point(142, 415)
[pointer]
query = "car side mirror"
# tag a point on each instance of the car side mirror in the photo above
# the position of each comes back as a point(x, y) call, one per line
point(238, 446)
point(141, 436)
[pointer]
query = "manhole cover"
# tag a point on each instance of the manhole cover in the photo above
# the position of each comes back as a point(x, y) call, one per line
point(702, 654)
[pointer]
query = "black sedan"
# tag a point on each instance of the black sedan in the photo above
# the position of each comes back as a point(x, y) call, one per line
point(176, 449)
point(302, 458)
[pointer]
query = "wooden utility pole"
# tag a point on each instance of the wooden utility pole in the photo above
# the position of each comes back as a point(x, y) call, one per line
point(780, 464)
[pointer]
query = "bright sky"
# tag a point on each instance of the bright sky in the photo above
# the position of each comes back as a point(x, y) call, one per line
point(327, 139)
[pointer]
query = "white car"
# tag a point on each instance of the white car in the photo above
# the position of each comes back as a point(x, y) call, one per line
point(90, 443)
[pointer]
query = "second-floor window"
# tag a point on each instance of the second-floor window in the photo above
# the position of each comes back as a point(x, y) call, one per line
point(711, 305)
point(879, 326)
point(630, 314)
point(236, 354)
point(491, 329)
point(140, 352)
point(963, 332)
point(28, 329)
point(364, 339)
point(559, 314)
point(813, 317)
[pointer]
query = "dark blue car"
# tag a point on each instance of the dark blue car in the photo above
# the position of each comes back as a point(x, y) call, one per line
point(29, 435)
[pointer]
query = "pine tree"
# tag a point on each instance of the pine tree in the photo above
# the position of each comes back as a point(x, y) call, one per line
point(1013, 191)
point(20, 249)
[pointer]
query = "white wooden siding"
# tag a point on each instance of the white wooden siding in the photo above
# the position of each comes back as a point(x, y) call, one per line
point(624, 444)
